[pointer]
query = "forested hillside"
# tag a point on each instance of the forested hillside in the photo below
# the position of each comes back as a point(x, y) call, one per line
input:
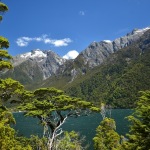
point(118, 80)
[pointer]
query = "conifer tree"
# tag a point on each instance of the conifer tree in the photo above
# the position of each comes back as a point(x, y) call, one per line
point(4, 44)
point(139, 137)
point(8, 88)
point(106, 137)
point(3, 9)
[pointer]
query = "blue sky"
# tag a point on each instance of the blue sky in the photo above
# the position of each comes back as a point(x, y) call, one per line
point(65, 25)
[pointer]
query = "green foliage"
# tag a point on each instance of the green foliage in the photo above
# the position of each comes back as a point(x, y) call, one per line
point(34, 141)
point(45, 93)
point(47, 100)
point(9, 89)
point(67, 141)
point(6, 117)
point(3, 9)
point(70, 141)
point(106, 138)
point(7, 134)
point(53, 107)
point(4, 43)
point(139, 137)
point(4, 56)
point(5, 64)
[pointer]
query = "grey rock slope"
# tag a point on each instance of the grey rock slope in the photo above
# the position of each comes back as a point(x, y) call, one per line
point(97, 52)
point(46, 63)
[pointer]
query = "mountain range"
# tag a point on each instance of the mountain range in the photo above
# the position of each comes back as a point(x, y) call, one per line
point(101, 72)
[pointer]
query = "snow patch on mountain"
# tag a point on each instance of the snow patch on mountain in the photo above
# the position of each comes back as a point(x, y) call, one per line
point(141, 30)
point(33, 54)
point(107, 41)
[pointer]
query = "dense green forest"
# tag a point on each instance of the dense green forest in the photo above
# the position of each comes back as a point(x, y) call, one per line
point(118, 80)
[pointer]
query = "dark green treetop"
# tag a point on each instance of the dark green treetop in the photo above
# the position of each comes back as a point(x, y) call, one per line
point(4, 44)
point(47, 100)
point(3, 9)
point(53, 107)
point(106, 137)
point(139, 137)
point(9, 88)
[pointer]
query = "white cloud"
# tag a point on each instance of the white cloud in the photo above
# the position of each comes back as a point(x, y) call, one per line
point(82, 13)
point(71, 54)
point(58, 43)
point(38, 39)
point(24, 41)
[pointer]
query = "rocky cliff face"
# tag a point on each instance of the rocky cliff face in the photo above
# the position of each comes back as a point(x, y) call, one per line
point(97, 52)
point(45, 62)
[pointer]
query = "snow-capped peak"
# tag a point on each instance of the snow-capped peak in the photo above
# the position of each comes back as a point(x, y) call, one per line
point(33, 54)
point(107, 41)
point(38, 53)
point(136, 31)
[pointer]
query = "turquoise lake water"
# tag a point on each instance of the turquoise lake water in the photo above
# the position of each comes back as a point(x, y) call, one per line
point(85, 125)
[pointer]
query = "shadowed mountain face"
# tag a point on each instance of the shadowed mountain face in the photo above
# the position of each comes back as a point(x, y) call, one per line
point(110, 71)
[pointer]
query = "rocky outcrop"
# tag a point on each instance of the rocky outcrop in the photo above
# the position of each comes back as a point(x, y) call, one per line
point(47, 62)
point(97, 52)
